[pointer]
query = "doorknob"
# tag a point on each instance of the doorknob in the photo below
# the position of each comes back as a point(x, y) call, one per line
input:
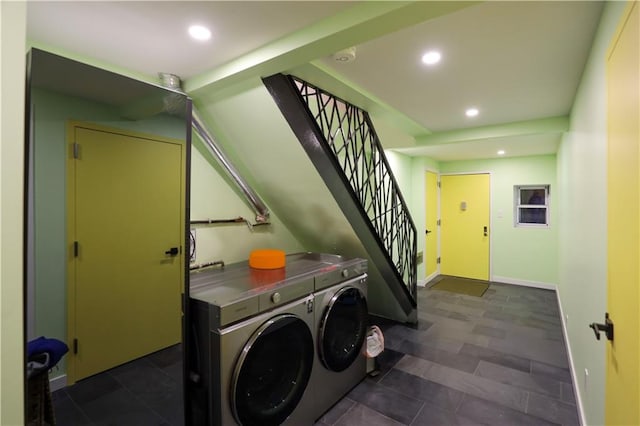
point(173, 251)
point(486, 231)
point(607, 327)
point(427, 232)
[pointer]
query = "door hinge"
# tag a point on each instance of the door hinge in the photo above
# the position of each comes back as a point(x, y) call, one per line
point(438, 261)
point(75, 346)
point(438, 222)
point(76, 249)
point(76, 150)
point(439, 184)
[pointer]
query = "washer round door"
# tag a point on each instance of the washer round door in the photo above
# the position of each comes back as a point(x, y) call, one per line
point(343, 329)
point(272, 372)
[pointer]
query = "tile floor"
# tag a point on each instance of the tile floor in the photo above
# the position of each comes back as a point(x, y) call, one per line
point(147, 391)
point(498, 359)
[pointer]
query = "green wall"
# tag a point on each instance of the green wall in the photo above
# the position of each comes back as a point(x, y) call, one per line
point(583, 222)
point(252, 131)
point(518, 255)
point(213, 198)
point(12, 35)
point(401, 167)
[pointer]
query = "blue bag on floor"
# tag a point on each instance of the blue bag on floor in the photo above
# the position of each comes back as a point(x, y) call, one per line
point(43, 354)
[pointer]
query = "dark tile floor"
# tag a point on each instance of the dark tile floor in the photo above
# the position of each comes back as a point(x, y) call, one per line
point(498, 359)
point(147, 391)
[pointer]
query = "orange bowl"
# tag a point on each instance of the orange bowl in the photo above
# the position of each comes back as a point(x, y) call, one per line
point(267, 259)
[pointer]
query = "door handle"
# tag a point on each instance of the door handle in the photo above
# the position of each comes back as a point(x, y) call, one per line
point(486, 231)
point(607, 327)
point(427, 232)
point(173, 251)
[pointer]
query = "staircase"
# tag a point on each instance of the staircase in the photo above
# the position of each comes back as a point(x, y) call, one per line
point(342, 144)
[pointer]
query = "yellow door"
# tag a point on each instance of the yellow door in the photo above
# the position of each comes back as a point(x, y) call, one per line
point(464, 208)
point(126, 203)
point(431, 237)
point(623, 303)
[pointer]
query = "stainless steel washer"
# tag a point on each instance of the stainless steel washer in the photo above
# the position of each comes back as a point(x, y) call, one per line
point(253, 343)
point(265, 365)
point(341, 317)
point(253, 347)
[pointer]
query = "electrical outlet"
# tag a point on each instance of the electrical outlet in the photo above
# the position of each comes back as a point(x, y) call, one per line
point(419, 257)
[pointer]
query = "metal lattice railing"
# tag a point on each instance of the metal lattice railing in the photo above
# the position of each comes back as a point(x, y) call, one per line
point(349, 133)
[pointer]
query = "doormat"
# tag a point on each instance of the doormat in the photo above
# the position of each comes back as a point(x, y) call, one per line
point(461, 286)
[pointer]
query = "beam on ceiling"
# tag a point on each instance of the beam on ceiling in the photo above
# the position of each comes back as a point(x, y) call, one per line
point(365, 21)
point(519, 128)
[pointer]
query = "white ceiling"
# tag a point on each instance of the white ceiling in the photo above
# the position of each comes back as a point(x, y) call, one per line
point(515, 61)
point(151, 36)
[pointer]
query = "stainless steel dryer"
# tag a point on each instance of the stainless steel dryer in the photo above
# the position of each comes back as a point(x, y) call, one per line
point(341, 318)
point(253, 347)
point(253, 342)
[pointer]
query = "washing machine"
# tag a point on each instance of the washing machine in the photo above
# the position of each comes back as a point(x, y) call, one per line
point(253, 349)
point(253, 340)
point(341, 318)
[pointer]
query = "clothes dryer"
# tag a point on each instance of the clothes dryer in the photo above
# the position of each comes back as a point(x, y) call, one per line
point(341, 318)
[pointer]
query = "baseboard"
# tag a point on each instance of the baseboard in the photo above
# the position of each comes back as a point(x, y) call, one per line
point(58, 383)
point(574, 377)
point(424, 282)
point(524, 283)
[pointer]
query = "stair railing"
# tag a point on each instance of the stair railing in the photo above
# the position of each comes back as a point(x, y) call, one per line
point(349, 133)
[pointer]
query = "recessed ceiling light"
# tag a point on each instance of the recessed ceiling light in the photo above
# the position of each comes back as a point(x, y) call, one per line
point(431, 58)
point(501, 152)
point(199, 32)
point(472, 112)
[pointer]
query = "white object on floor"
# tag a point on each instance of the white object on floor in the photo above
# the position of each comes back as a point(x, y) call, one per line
point(375, 342)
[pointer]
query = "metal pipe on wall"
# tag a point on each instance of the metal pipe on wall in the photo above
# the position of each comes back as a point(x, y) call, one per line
point(260, 209)
point(172, 81)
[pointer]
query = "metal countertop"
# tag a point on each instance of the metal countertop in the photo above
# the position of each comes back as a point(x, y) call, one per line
point(238, 281)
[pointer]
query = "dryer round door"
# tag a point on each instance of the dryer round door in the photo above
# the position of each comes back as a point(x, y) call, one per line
point(272, 372)
point(343, 329)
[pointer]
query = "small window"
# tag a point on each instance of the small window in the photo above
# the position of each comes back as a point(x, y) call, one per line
point(531, 205)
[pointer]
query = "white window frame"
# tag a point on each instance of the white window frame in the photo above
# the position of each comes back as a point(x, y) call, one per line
point(518, 204)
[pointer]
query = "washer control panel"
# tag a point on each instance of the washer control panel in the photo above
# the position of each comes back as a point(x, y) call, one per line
point(287, 293)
